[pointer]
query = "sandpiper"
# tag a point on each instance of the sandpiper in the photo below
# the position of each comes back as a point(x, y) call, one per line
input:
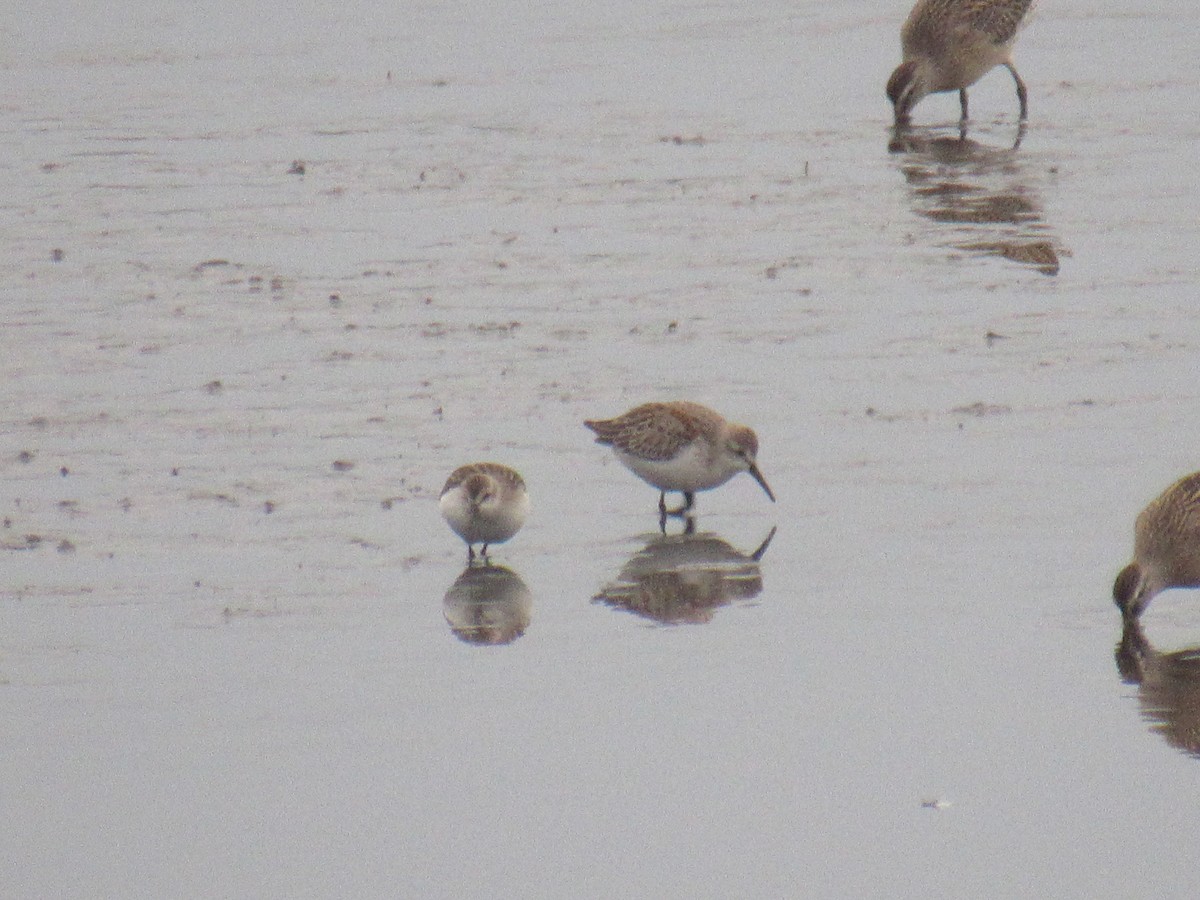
point(680, 446)
point(948, 45)
point(484, 503)
point(1166, 548)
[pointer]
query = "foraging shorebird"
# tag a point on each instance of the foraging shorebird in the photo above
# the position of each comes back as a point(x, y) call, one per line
point(680, 446)
point(1166, 548)
point(484, 503)
point(948, 45)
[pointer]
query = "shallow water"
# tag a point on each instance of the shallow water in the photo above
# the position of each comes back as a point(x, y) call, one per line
point(237, 655)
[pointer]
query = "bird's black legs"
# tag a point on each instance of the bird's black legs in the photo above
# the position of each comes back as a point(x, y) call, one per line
point(683, 512)
point(1022, 99)
point(689, 501)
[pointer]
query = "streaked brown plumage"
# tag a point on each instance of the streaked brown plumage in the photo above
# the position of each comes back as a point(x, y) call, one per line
point(948, 45)
point(484, 503)
point(1166, 548)
point(680, 446)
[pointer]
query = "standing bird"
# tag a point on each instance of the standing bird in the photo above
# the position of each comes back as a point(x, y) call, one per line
point(680, 446)
point(949, 45)
point(484, 503)
point(1166, 548)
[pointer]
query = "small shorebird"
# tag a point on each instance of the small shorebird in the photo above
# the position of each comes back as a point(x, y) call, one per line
point(484, 503)
point(680, 446)
point(1166, 548)
point(948, 45)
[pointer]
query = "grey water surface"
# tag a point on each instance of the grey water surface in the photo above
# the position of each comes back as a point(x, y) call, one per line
point(271, 271)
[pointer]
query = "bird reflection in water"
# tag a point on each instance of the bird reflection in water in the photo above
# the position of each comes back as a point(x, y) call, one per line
point(982, 194)
point(685, 578)
point(488, 604)
point(1168, 687)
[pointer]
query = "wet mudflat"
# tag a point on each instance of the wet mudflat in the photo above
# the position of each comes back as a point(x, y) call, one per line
point(271, 274)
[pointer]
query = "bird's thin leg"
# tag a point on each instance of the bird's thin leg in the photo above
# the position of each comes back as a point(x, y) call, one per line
point(483, 552)
point(662, 502)
point(470, 554)
point(689, 500)
point(1022, 94)
point(689, 520)
point(962, 100)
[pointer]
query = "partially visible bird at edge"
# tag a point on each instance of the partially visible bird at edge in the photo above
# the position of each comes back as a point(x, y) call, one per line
point(1166, 548)
point(948, 45)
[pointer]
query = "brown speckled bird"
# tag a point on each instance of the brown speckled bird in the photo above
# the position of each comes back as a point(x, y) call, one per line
point(484, 503)
point(948, 45)
point(680, 446)
point(1166, 548)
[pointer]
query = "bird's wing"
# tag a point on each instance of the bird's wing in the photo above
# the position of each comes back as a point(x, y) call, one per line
point(998, 19)
point(503, 474)
point(651, 431)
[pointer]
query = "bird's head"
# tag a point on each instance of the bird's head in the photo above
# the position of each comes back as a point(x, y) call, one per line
point(481, 489)
point(742, 445)
point(1133, 591)
point(907, 86)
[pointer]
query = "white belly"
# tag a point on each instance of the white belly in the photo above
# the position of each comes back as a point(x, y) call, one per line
point(491, 523)
point(692, 470)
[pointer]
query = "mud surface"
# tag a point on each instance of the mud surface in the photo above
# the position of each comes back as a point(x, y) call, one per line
point(272, 272)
